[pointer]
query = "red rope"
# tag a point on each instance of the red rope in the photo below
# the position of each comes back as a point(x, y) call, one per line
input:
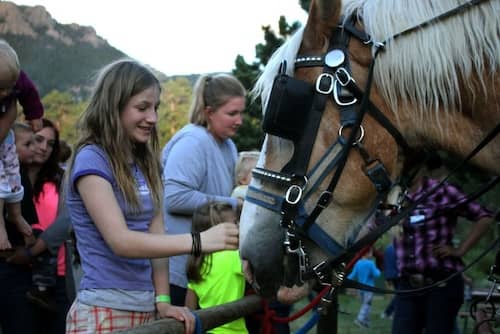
point(267, 318)
point(269, 315)
point(358, 256)
point(306, 309)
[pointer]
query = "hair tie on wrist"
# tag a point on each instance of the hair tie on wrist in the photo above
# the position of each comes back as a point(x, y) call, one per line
point(163, 299)
point(196, 246)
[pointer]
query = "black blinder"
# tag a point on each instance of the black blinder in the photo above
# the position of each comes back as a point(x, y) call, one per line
point(288, 106)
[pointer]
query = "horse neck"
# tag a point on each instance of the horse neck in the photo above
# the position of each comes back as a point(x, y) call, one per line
point(457, 131)
point(456, 127)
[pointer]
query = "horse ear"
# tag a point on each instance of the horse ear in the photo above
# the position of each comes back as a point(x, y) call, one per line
point(324, 15)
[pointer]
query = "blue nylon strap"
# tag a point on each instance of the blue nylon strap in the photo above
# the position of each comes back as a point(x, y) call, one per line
point(313, 320)
point(198, 329)
point(322, 168)
point(272, 202)
point(264, 199)
point(318, 235)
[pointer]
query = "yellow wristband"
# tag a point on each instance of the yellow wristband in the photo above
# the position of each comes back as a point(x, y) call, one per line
point(162, 299)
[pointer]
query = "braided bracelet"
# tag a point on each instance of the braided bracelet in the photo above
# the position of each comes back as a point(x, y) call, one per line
point(196, 246)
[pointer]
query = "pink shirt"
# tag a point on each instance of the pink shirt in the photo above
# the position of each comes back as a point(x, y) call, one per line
point(46, 210)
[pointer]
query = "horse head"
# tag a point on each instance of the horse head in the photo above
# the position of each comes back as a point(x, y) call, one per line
point(348, 100)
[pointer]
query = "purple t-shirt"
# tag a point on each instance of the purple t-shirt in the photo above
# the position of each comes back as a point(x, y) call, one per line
point(103, 269)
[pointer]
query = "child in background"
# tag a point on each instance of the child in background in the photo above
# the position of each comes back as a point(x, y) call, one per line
point(216, 278)
point(45, 264)
point(14, 86)
point(247, 160)
point(365, 271)
point(25, 143)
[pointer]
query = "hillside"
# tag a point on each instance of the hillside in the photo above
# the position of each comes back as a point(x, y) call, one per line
point(56, 56)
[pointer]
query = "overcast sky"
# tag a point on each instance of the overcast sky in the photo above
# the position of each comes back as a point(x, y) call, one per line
point(178, 36)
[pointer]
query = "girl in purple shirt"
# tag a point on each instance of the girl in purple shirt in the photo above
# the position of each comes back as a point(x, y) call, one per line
point(114, 198)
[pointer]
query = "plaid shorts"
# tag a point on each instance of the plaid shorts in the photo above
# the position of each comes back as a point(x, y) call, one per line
point(83, 319)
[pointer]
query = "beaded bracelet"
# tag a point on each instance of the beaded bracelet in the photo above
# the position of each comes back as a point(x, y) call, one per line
point(163, 299)
point(196, 246)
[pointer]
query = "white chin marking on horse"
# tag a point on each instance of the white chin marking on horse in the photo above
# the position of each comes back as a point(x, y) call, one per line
point(247, 271)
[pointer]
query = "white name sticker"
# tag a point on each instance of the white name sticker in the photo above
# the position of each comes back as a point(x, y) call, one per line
point(416, 219)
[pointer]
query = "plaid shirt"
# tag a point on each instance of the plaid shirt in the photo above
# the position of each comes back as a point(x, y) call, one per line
point(414, 247)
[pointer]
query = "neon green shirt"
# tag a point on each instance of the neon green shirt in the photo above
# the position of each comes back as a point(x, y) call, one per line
point(223, 283)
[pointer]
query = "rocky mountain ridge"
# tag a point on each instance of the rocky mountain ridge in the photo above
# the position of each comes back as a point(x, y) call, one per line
point(36, 21)
point(57, 56)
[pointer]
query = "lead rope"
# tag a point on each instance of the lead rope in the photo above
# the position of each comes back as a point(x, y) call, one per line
point(269, 317)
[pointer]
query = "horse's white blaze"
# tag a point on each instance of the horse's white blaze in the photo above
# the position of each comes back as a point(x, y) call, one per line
point(248, 215)
point(249, 212)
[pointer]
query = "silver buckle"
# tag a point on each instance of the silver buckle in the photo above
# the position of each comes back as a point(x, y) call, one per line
point(340, 74)
point(344, 72)
point(318, 83)
point(288, 194)
point(337, 99)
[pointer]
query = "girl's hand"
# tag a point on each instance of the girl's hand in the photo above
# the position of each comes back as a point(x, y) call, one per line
point(29, 240)
point(445, 251)
point(20, 256)
point(23, 227)
point(4, 239)
point(183, 314)
point(4, 242)
point(36, 124)
point(219, 237)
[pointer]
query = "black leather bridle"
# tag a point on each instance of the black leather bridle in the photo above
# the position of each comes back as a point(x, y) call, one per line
point(334, 82)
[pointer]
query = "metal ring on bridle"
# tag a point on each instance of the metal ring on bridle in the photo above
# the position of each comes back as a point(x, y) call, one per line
point(289, 192)
point(361, 134)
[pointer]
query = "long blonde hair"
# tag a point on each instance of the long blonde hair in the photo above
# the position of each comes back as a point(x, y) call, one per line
point(100, 124)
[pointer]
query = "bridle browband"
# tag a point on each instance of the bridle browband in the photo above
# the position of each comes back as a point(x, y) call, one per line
point(353, 103)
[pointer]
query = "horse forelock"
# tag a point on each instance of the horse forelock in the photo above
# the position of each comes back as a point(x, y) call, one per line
point(425, 68)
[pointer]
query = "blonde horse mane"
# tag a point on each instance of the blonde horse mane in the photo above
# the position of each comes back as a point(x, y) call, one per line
point(423, 68)
point(286, 52)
